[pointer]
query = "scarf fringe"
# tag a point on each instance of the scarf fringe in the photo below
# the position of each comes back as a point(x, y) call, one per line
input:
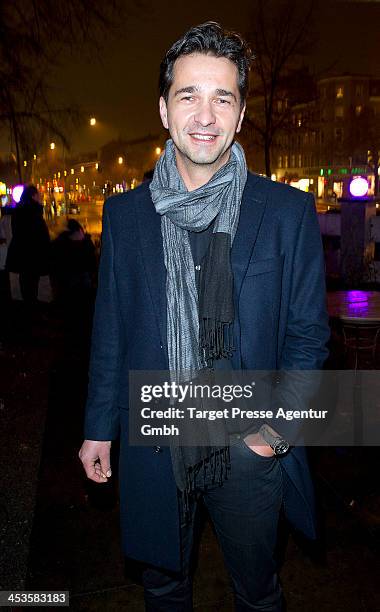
point(215, 470)
point(216, 340)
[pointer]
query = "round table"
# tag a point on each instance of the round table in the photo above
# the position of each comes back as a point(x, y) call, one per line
point(357, 317)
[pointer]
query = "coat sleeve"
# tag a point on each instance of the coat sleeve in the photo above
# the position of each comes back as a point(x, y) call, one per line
point(102, 412)
point(307, 330)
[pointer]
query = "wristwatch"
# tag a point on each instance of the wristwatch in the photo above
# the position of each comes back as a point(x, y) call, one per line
point(279, 445)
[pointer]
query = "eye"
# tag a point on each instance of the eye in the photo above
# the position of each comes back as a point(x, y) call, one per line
point(188, 98)
point(223, 101)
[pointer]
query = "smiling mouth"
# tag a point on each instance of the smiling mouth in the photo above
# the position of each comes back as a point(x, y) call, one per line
point(204, 137)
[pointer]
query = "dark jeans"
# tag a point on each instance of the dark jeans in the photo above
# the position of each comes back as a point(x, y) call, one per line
point(245, 513)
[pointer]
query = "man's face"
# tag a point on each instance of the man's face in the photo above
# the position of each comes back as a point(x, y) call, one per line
point(203, 111)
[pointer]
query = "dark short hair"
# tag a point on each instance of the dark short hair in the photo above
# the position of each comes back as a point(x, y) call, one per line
point(74, 226)
point(208, 38)
point(27, 195)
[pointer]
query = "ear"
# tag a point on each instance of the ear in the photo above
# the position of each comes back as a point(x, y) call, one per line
point(164, 113)
point(241, 117)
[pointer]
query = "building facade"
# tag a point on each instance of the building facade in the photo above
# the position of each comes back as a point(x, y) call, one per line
point(330, 139)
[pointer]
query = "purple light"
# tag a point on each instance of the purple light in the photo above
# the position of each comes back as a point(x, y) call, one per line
point(17, 192)
point(357, 303)
point(359, 187)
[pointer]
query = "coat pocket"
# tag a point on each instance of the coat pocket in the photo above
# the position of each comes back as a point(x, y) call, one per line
point(261, 266)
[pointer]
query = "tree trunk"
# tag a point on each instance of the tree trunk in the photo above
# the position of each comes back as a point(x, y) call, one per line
point(17, 145)
point(267, 159)
point(19, 168)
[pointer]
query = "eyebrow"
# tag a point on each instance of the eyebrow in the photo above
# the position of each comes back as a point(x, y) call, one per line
point(193, 88)
point(226, 93)
point(190, 89)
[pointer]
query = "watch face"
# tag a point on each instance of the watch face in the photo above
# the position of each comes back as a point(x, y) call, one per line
point(281, 447)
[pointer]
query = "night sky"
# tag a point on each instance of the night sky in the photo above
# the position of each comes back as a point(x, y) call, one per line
point(120, 86)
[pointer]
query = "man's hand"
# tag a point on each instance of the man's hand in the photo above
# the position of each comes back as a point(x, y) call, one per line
point(95, 457)
point(258, 445)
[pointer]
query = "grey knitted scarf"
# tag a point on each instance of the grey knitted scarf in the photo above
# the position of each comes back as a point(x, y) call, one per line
point(198, 327)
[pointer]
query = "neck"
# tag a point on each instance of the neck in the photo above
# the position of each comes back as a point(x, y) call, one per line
point(197, 175)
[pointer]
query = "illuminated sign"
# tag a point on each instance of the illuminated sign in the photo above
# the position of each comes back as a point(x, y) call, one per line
point(359, 187)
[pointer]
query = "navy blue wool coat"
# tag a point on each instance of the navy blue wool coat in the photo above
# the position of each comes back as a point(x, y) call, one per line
point(280, 322)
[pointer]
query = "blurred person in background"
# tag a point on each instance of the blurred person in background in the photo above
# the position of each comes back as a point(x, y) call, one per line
point(28, 253)
point(73, 274)
point(5, 290)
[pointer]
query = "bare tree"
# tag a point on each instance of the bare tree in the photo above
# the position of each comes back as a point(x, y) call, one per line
point(280, 38)
point(33, 36)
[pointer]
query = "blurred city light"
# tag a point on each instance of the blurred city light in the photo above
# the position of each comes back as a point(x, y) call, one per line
point(158, 150)
point(52, 146)
point(72, 170)
point(359, 187)
point(82, 168)
point(120, 160)
point(17, 192)
point(92, 121)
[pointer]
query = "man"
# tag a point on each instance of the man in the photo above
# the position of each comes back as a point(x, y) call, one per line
point(169, 282)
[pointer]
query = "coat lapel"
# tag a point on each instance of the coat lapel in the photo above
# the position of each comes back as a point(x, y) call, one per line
point(251, 215)
point(149, 228)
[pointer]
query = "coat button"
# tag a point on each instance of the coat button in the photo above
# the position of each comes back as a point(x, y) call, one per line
point(157, 449)
point(197, 267)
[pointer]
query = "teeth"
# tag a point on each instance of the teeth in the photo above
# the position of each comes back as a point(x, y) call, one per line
point(199, 137)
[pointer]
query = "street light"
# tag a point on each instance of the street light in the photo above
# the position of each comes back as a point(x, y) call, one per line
point(92, 121)
point(158, 150)
point(120, 160)
point(52, 146)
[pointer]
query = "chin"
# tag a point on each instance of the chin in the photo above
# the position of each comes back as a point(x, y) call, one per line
point(204, 161)
point(206, 157)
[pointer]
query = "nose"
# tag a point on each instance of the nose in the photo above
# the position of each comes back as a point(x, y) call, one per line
point(205, 114)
